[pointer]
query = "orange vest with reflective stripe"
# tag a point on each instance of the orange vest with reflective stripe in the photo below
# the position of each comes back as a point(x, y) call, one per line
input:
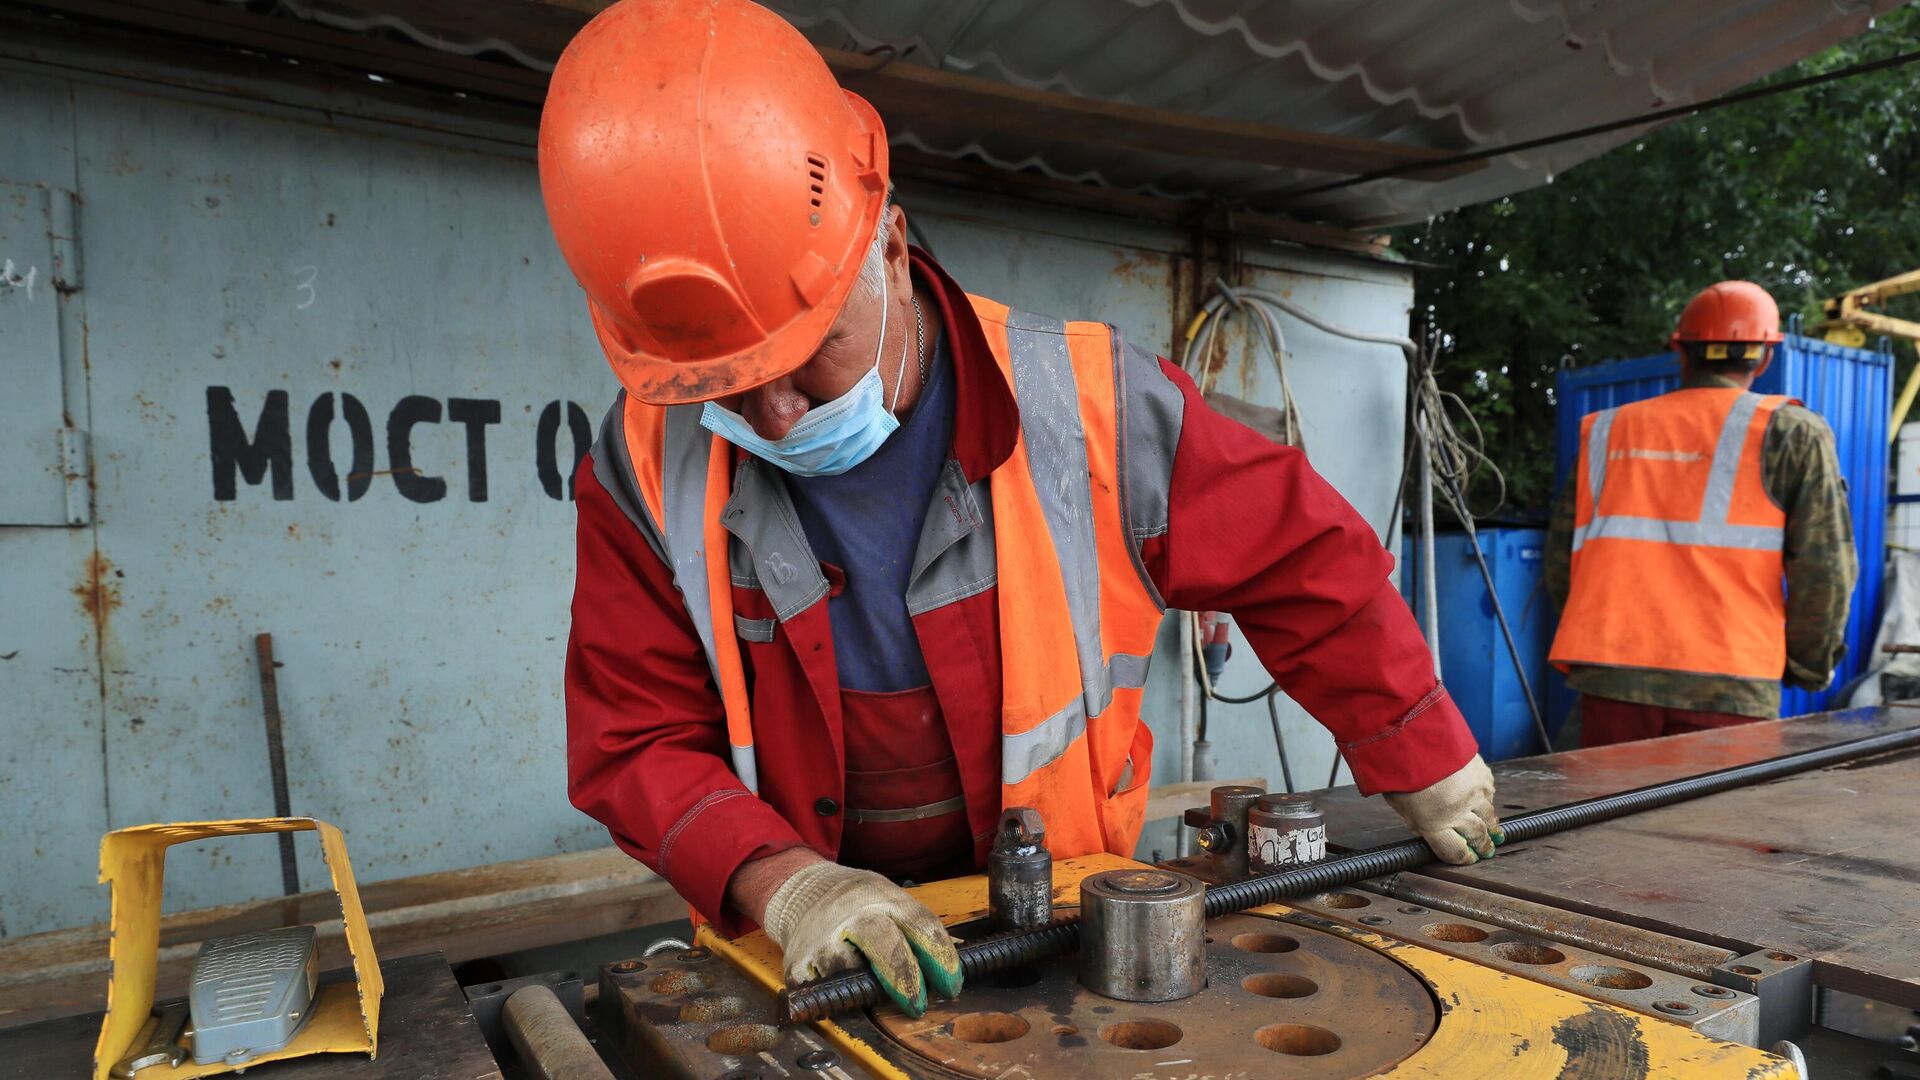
point(1077, 617)
point(1677, 547)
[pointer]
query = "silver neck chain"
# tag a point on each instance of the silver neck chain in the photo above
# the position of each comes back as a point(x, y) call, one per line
point(919, 338)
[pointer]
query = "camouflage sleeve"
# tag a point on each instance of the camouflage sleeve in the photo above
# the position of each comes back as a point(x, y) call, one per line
point(1559, 554)
point(1802, 473)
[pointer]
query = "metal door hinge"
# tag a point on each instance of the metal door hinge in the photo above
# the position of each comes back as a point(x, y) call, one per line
point(64, 230)
point(77, 469)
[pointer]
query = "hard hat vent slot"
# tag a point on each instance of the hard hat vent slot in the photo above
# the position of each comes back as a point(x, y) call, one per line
point(817, 177)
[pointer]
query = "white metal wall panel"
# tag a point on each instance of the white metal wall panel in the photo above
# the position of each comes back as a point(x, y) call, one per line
point(251, 260)
point(53, 799)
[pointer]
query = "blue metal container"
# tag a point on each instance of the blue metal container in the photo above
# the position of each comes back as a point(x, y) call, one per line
point(1849, 387)
point(1474, 660)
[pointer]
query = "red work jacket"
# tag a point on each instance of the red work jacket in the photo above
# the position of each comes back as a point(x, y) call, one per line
point(1247, 527)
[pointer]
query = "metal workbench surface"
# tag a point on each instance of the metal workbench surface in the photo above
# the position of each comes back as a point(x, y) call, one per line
point(426, 1033)
point(1825, 864)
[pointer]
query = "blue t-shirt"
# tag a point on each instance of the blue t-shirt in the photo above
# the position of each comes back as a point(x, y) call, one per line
point(866, 521)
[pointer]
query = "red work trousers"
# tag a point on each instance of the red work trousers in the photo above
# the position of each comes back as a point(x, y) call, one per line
point(1604, 721)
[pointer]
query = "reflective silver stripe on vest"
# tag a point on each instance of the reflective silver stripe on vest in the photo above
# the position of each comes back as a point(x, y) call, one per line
point(1712, 529)
point(1693, 533)
point(1057, 460)
point(1597, 453)
point(683, 499)
point(1040, 745)
point(1056, 444)
point(1718, 502)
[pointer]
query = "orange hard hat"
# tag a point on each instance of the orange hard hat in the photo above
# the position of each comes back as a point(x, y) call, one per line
point(713, 190)
point(1731, 311)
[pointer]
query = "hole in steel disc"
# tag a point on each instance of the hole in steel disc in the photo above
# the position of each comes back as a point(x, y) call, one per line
point(1745, 969)
point(1523, 952)
point(1375, 920)
point(1783, 957)
point(1280, 986)
point(1676, 1008)
point(1064, 1030)
point(1453, 931)
point(1300, 1040)
point(744, 1039)
point(1264, 943)
point(1012, 978)
point(1141, 1034)
point(1612, 978)
point(1713, 991)
point(1345, 901)
point(1413, 909)
point(989, 1027)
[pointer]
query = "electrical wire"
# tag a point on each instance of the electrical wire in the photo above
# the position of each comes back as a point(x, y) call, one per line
point(1444, 425)
point(1279, 741)
point(1456, 456)
point(1198, 359)
point(1675, 112)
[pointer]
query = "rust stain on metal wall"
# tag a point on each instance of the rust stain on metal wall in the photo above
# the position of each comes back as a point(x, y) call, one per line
point(1143, 268)
point(99, 594)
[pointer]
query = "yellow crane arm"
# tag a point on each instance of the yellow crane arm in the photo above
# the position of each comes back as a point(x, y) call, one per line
point(1850, 319)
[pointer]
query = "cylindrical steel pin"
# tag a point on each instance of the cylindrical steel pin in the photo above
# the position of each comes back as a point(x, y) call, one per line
point(1143, 935)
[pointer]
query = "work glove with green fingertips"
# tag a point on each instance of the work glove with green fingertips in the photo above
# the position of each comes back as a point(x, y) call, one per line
point(1455, 816)
point(826, 917)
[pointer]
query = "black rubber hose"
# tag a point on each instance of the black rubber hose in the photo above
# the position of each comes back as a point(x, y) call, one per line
point(857, 989)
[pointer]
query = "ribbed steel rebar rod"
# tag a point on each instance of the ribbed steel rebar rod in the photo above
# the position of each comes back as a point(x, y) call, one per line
point(858, 989)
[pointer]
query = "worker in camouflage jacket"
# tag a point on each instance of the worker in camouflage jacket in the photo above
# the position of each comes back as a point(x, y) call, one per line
point(1671, 540)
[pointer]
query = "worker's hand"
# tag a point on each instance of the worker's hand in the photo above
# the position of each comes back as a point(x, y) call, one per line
point(1455, 816)
point(825, 912)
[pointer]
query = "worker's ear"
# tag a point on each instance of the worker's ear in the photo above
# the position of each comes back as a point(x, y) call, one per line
point(895, 223)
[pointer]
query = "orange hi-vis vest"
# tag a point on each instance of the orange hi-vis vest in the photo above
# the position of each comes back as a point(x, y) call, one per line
point(1677, 547)
point(1077, 617)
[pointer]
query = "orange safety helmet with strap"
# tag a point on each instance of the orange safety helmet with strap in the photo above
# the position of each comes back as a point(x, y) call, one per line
point(1677, 547)
point(1726, 320)
point(713, 190)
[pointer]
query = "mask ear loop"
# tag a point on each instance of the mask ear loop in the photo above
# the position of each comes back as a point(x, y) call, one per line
point(899, 377)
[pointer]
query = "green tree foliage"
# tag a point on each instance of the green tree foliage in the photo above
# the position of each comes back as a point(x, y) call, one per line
point(1808, 193)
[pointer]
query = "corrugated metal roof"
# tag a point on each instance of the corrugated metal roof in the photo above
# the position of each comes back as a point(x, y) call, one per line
point(1452, 74)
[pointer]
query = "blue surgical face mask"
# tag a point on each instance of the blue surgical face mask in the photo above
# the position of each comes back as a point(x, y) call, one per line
point(830, 438)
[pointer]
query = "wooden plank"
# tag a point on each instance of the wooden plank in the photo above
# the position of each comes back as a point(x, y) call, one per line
point(1172, 800)
point(481, 911)
point(426, 1033)
point(1824, 864)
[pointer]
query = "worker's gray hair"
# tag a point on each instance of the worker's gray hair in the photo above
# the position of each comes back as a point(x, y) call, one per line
point(873, 272)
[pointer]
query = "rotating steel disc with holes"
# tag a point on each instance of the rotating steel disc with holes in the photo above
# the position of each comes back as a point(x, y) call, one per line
point(1282, 1000)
